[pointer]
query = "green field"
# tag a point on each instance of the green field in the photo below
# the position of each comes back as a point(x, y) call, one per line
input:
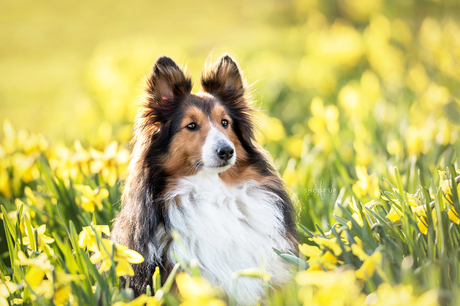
point(359, 106)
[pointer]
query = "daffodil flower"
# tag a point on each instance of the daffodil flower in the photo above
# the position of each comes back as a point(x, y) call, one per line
point(40, 266)
point(6, 288)
point(370, 263)
point(106, 163)
point(103, 252)
point(309, 250)
point(43, 240)
point(196, 291)
point(356, 215)
point(329, 243)
point(91, 198)
point(139, 301)
point(366, 184)
point(453, 215)
point(446, 187)
point(87, 237)
point(394, 214)
point(327, 260)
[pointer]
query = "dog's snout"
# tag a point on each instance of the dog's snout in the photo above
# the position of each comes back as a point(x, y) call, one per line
point(225, 152)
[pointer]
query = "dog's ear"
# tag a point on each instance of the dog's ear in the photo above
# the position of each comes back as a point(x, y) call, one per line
point(167, 83)
point(223, 78)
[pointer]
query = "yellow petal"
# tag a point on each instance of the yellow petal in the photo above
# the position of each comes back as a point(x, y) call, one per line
point(328, 260)
point(394, 214)
point(46, 239)
point(123, 268)
point(361, 172)
point(133, 256)
point(369, 265)
point(309, 250)
point(422, 226)
point(103, 193)
point(453, 215)
point(358, 219)
point(359, 252)
point(62, 295)
point(25, 241)
point(35, 276)
point(193, 287)
point(139, 301)
point(3, 301)
point(41, 230)
point(96, 257)
point(88, 206)
point(330, 243)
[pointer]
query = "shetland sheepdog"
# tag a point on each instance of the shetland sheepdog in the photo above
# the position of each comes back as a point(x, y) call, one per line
point(197, 169)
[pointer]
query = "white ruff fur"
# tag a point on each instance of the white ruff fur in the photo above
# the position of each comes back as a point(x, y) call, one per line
point(226, 229)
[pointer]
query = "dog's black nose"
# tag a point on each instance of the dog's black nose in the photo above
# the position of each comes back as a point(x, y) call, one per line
point(225, 152)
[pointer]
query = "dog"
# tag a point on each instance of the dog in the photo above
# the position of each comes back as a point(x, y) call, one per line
point(197, 169)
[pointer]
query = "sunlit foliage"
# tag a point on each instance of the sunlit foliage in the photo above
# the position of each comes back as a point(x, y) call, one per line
point(359, 108)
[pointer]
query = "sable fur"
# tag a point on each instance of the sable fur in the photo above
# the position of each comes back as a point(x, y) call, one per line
point(144, 208)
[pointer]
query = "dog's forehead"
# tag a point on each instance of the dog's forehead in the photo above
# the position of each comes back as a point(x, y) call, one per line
point(206, 103)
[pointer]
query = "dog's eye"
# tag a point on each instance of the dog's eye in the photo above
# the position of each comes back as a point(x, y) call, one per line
point(191, 126)
point(224, 123)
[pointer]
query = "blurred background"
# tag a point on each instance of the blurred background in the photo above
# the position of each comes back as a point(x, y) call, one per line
point(339, 83)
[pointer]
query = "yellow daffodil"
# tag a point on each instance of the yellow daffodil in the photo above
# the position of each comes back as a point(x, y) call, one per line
point(139, 301)
point(329, 243)
point(63, 294)
point(366, 184)
point(107, 163)
point(196, 291)
point(370, 262)
point(387, 294)
point(91, 198)
point(356, 215)
point(337, 287)
point(39, 267)
point(369, 265)
point(103, 252)
point(12, 215)
point(81, 157)
point(87, 237)
point(323, 123)
point(453, 215)
point(422, 226)
point(6, 288)
point(5, 185)
point(289, 174)
point(327, 260)
point(309, 250)
point(43, 240)
point(445, 185)
point(414, 200)
point(32, 199)
point(394, 214)
point(446, 188)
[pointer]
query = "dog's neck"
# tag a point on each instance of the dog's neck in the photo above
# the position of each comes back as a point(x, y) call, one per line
point(226, 228)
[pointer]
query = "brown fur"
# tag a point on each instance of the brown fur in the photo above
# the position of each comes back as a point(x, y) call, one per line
point(164, 151)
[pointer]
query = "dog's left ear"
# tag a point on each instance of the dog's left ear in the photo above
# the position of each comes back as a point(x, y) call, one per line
point(223, 78)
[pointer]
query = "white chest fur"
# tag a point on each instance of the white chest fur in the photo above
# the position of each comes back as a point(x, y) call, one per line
point(228, 229)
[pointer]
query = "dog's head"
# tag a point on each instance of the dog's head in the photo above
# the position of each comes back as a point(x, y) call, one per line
point(207, 131)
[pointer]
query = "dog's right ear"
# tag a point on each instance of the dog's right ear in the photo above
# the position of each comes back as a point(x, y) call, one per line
point(167, 83)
